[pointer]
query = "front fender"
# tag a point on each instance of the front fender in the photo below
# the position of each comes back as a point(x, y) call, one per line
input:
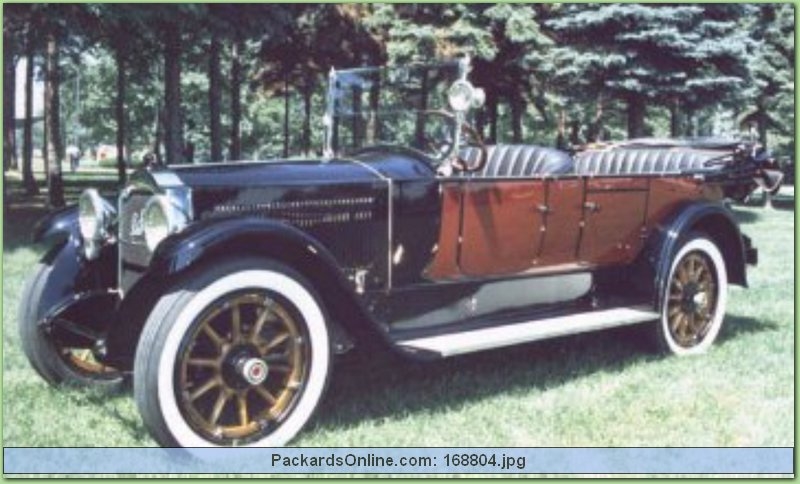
point(72, 279)
point(717, 222)
point(58, 226)
point(251, 235)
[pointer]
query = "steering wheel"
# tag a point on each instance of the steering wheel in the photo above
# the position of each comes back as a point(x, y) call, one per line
point(476, 139)
point(441, 143)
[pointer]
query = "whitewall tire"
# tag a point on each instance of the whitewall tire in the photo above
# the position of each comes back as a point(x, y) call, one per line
point(694, 299)
point(235, 355)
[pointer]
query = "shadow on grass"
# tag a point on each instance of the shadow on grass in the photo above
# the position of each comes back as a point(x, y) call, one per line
point(372, 387)
point(735, 326)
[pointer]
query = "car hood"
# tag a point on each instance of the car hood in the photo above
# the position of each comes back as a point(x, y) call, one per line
point(368, 166)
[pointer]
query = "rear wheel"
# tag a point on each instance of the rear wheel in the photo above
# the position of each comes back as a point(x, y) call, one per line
point(58, 358)
point(235, 355)
point(694, 299)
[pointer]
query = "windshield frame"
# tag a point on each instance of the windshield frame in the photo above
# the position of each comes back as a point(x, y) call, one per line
point(462, 66)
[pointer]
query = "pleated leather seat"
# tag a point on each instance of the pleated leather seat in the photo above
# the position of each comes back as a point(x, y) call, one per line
point(520, 161)
point(642, 161)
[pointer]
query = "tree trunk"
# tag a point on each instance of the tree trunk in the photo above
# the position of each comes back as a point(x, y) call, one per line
point(55, 149)
point(286, 115)
point(561, 134)
point(595, 131)
point(119, 110)
point(517, 110)
point(491, 107)
point(419, 130)
point(9, 101)
point(357, 125)
point(675, 118)
point(374, 128)
point(157, 134)
point(574, 132)
point(173, 127)
point(307, 93)
point(27, 136)
point(636, 115)
point(236, 97)
point(215, 97)
point(689, 125)
point(762, 119)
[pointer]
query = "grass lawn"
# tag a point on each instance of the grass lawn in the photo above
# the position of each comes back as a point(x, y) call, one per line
point(598, 389)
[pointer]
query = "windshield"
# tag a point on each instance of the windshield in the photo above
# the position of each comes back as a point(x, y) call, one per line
point(403, 106)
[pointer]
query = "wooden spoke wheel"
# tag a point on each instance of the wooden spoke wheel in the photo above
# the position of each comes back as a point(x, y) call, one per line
point(242, 367)
point(237, 354)
point(695, 297)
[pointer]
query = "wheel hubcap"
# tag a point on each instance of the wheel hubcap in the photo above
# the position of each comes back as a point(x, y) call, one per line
point(253, 370)
point(692, 299)
point(242, 368)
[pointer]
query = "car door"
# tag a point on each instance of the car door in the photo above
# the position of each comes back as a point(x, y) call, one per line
point(614, 220)
point(502, 226)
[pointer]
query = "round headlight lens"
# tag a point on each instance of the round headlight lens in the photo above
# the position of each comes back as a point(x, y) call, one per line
point(161, 218)
point(460, 96)
point(90, 214)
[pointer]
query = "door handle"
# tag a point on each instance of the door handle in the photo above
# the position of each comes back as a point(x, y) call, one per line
point(592, 206)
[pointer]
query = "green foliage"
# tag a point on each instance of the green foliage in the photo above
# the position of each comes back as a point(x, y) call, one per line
point(554, 69)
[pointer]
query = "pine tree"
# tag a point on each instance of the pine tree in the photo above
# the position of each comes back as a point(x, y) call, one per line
point(681, 55)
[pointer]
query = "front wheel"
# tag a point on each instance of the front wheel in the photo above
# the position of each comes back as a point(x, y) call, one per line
point(57, 355)
point(238, 354)
point(694, 300)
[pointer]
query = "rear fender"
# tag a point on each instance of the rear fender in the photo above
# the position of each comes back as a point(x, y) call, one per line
point(714, 219)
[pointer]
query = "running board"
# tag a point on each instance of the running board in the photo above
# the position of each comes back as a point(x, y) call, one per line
point(524, 332)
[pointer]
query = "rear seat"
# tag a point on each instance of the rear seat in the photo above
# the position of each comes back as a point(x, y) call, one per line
point(520, 161)
point(643, 161)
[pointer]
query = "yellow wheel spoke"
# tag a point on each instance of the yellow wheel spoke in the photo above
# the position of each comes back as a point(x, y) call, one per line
point(219, 405)
point(203, 362)
point(236, 322)
point(213, 335)
point(265, 394)
point(274, 342)
point(211, 383)
point(244, 418)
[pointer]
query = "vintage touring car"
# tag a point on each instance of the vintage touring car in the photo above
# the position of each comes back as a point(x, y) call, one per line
point(225, 289)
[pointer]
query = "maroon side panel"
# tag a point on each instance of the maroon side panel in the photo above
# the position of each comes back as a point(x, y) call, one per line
point(562, 223)
point(667, 194)
point(614, 211)
point(445, 261)
point(502, 226)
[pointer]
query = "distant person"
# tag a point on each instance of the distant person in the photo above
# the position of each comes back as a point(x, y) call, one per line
point(74, 155)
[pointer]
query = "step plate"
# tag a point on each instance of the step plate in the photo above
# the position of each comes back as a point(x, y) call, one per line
point(524, 332)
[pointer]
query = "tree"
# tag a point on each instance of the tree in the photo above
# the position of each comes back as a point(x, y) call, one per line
point(322, 36)
point(9, 94)
point(771, 65)
point(648, 53)
point(31, 188)
point(55, 147)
